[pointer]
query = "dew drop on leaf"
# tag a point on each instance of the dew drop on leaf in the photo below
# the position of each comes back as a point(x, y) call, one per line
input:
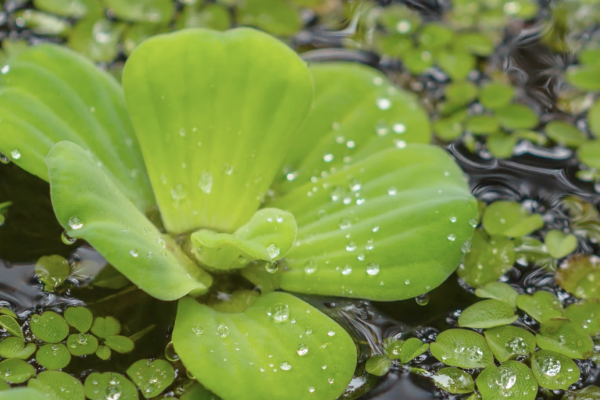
point(452, 237)
point(66, 239)
point(223, 331)
point(75, 223)
point(273, 251)
point(280, 312)
point(383, 104)
point(373, 269)
point(302, 349)
point(345, 223)
point(271, 267)
point(422, 300)
point(285, 366)
point(310, 267)
point(206, 181)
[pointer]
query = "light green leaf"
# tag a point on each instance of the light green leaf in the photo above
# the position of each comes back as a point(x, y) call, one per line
point(531, 250)
point(511, 380)
point(399, 18)
point(15, 370)
point(238, 302)
point(367, 230)
point(68, 8)
point(451, 127)
point(157, 11)
point(593, 118)
point(198, 392)
point(411, 349)
point(456, 64)
point(565, 337)
point(120, 344)
point(105, 327)
point(103, 216)
point(269, 336)
point(542, 306)
point(8, 311)
point(564, 133)
point(510, 219)
point(79, 318)
point(453, 380)
point(212, 163)
point(488, 260)
point(277, 17)
point(14, 347)
point(265, 280)
point(487, 314)
point(482, 124)
point(554, 371)
point(51, 94)
point(496, 95)
point(461, 92)
point(103, 352)
point(21, 394)
point(5, 386)
point(58, 385)
point(560, 244)
point(268, 236)
point(499, 291)
point(152, 377)
point(356, 112)
point(587, 314)
point(580, 276)
point(589, 153)
point(584, 77)
point(10, 325)
point(417, 60)
point(96, 37)
point(41, 23)
point(135, 34)
point(462, 348)
point(475, 43)
point(109, 277)
point(212, 16)
point(378, 365)
point(517, 116)
point(100, 386)
point(508, 342)
point(501, 145)
point(53, 356)
point(49, 327)
point(393, 348)
point(82, 344)
point(589, 393)
point(52, 271)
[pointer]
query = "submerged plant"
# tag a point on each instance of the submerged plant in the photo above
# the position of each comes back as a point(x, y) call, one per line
point(358, 206)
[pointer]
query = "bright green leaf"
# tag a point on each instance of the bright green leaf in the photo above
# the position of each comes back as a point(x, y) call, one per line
point(84, 38)
point(82, 344)
point(105, 327)
point(120, 344)
point(378, 365)
point(584, 77)
point(10, 325)
point(554, 371)
point(68, 8)
point(482, 124)
point(451, 127)
point(417, 61)
point(456, 64)
point(499, 291)
point(100, 386)
point(52, 271)
point(560, 244)
point(565, 337)
point(593, 118)
point(21, 394)
point(508, 342)
point(587, 314)
point(510, 219)
point(157, 11)
point(461, 92)
point(41, 23)
point(79, 318)
point(589, 393)
point(15, 370)
point(453, 380)
point(152, 377)
point(476, 43)
point(14, 347)
point(8, 311)
point(411, 349)
point(487, 314)
point(565, 133)
point(277, 17)
point(462, 348)
point(488, 260)
point(511, 380)
point(589, 153)
point(496, 95)
point(393, 348)
point(58, 385)
point(135, 34)
point(5, 386)
point(435, 35)
point(49, 327)
point(542, 306)
point(580, 276)
point(501, 145)
point(53, 356)
point(103, 352)
point(212, 16)
point(517, 116)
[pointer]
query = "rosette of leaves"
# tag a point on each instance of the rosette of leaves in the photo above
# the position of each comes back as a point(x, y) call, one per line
point(489, 16)
point(201, 129)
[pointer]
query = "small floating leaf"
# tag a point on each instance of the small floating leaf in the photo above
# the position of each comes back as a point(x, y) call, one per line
point(499, 291)
point(587, 314)
point(496, 95)
point(564, 133)
point(10, 325)
point(68, 8)
point(461, 92)
point(120, 344)
point(501, 145)
point(152, 377)
point(560, 244)
point(453, 380)
point(565, 337)
point(457, 64)
point(14, 347)
point(509, 342)
point(510, 219)
point(157, 11)
point(517, 116)
point(105, 327)
point(103, 352)
point(52, 271)
point(554, 371)
point(487, 314)
point(593, 118)
point(278, 17)
point(378, 365)
point(8, 311)
point(393, 348)
point(488, 260)
point(21, 394)
point(462, 348)
point(580, 276)
point(511, 380)
point(49, 327)
point(15, 370)
point(589, 393)
point(81, 344)
point(53, 356)
point(85, 35)
point(584, 77)
point(211, 16)
point(589, 153)
point(482, 124)
point(6, 386)
point(411, 349)
point(41, 23)
point(542, 306)
point(58, 385)
point(79, 318)
point(102, 386)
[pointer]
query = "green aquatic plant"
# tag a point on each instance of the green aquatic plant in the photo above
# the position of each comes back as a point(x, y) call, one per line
point(359, 206)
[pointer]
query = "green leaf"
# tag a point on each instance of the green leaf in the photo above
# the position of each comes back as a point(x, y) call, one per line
point(109, 277)
point(393, 348)
point(378, 365)
point(52, 271)
point(197, 181)
point(367, 230)
point(49, 327)
point(580, 276)
point(356, 112)
point(511, 380)
point(560, 244)
point(21, 394)
point(103, 216)
point(82, 344)
point(584, 77)
point(417, 61)
point(482, 124)
point(198, 392)
point(554, 371)
point(212, 16)
point(96, 37)
point(488, 260)
point(487, 314)
point(157, 11)
point(411, 349)
point(5, 386)
point(517, 116)
point(475, 43)
point(586, 314)
point(41, 23)
point(51, 94)
point(496, 95)
point(105, 327)
point(565, 337)
point(510, 219)
point(399, 18)
point(565, 133)
point(152, 377)
point(271, 335)
point(501, 145)
point(58, 385)
point(589, 393)
point(454, 380)
point(120, 344)
point(593, 118)
point(456, 64)
point(542, 306)
point(451, 127)
point(14, 347)
point(103, 352)
point(135, 34)
point(79, 318)
point(461, 92)
point(9, 312)
point(238, 302)
point(68, 8)
point(109, 384)
point(268, 236)
point(53, 356)
point(15, 370)
point(508, 342)
point(10, 325)
point(499, 291)
point(277, 17)
point(462, 348)
point(589, 153)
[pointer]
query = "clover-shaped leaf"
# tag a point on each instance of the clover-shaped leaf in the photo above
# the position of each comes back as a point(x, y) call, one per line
point(589, 154)
point(10, 325)
point(105, 327)
point(462, 348)
point(580, 276)
point(80, 318)
point(499, 291)
point(156, 11)
point(14, 347)
point(554, 371)
point(268, 236)
point(542, 306)
point(587, 314)
point(152, 377)
point(49, 327)
point(411, 349)
point(487, 314)
point(496, 95)
point(15, 370)
point(82, 344)
point(99, 386)
point(105, 218)
point(560, 244)
point(508, 342)
point(510, 380)
point(103, 352)
point(454, 380)
point(53, 356)
point(565, 337)
point(488, 260)
point(58, 385)
point(378, 365)
point(287, 349)
point(52, 271)
point(120, 344)
point(564, 133)
point(517, 116)
point(510, 219)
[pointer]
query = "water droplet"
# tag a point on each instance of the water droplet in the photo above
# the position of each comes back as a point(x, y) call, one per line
point(271, 267)
point(392, 191)
point(75, 223)
point(453, 219)
point(198, 329)
point(505, 379)
point(5, 70)
point(517, 346)
point(311, 389)
point(375, 229)
point(227, 169)
point(383, 104)
point(473, 222)
point(15, 154)
point(328, 157)
point(331, 333)
point(310, 267)
point(285, 366)
point(347, 270)
point(3, 159)
point(222, 331)
point(81, 339)
point(206, 181)
point(466, 247)
point(66, 239)
point(373, 269)
point(345, 223)
point(452, 237)
point(355, 185)
point(399, 128)
point(381, 128)
point(423, 299)
point(178, 193)
point(550, 366)
point(134, 253)
point(280, 312)
point(377, 81)
point(407, 282)
point(351, 246)
point(302, 349)
point(273, 250)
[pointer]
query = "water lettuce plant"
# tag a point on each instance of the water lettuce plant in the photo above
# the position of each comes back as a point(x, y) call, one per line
point(256, 164)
